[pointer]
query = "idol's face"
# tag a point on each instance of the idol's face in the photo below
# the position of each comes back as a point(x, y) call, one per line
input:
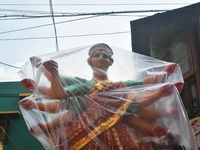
point(100, 58)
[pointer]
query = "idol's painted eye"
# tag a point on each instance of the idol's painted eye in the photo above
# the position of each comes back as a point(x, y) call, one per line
point(105, 56)
point(96, 56)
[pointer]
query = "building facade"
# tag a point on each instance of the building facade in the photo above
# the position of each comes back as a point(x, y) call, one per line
point(14, 134)
point(174, 36)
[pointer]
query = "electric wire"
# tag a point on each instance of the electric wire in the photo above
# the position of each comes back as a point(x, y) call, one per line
point(70, 14)
point(17, 17)
point(64, 15)
point(80, 35)
point(67, 14)
point(61, 15)
point(96, 13)
point(47, 16)
point(95, 4)
point(55, 31)
point(9, 65)
point(47, 24)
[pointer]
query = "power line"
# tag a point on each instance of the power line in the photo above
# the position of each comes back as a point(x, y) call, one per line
point(94, 4)
point(80, 35)
point(94, 15)
point(80, 14)
point(46, 25)
point(51, 10)
point(89, 13)
point(19, 17)
point(70, 14)
point(67, 14)
point(9, 65)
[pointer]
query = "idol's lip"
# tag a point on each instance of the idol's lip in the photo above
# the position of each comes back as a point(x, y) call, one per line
point(100, 61)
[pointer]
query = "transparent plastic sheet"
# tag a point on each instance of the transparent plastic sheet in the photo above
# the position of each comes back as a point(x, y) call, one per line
point(105, 100)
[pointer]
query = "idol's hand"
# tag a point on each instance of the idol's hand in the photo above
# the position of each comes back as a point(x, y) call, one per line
point(28, 84)
point(170, 68)
point(51, 66)
point(166, 90)
point(159, 131)
point(36, 61)
point(120, 85)
point(38, 129)
point(27, 104)
point(179, 86)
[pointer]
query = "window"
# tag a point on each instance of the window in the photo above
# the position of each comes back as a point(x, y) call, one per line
point(167, 57)
point(181, 54)
point(179, 50)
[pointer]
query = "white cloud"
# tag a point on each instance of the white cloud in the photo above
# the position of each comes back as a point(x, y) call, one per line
point(8, 74)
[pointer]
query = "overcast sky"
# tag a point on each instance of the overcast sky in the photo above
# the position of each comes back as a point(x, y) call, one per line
point(21, 38)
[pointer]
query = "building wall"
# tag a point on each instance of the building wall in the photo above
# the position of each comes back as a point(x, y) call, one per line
point(18, 135)
point(174, 36)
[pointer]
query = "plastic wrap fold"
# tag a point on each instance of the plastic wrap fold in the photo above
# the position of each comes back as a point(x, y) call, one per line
point(105, 98)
